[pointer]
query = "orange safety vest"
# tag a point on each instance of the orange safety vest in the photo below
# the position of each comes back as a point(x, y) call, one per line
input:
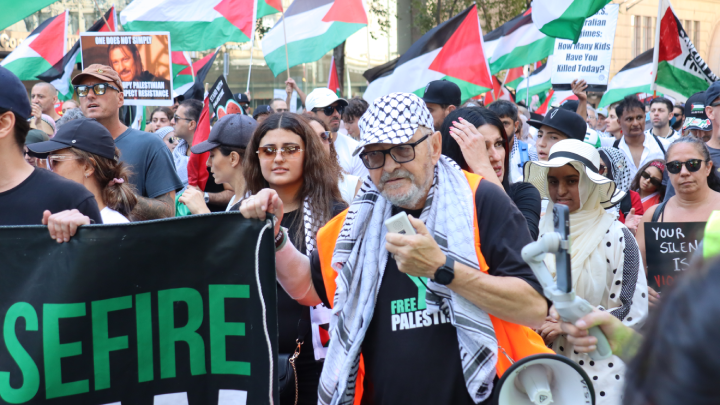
point(518, 341)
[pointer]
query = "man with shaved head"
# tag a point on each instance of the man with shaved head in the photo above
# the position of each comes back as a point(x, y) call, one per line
point(44, 97)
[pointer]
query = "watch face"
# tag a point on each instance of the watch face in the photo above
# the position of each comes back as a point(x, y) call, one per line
point(444, 276)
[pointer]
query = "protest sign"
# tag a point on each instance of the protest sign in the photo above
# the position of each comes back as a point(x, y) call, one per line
point(588, 59)
point(122, 315)
point(141, 59)
point(222, 100)
point(669, 246)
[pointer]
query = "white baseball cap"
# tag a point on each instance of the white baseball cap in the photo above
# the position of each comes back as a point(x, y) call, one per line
point(322, 97)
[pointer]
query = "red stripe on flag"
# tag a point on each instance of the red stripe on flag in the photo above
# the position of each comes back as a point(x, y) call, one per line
point(110, 21)
point(276, 4)
point(333, 80)
point(236, 11)
point(462, 56)
point(197, 164)
point(669, 37)
point(513, 74)
point(50, 43)
point(347, 11)
point(178, 58)
point(543, 109)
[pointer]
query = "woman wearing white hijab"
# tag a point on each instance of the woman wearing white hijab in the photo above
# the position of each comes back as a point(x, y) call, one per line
point(606, 264)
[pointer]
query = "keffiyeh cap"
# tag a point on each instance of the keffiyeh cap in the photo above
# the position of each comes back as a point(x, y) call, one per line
point(393, 119)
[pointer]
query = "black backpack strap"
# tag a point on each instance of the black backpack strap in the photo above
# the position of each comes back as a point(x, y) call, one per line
point(616, 143)
point(658, 211)
point(662, 148)
point(626, 204)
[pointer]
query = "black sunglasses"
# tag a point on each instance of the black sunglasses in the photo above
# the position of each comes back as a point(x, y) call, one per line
point(99, 89)
point(655, 182)
point(692, 165)
point(677, 115)
point(177, 118)
point(401, 154)
point(329, 109)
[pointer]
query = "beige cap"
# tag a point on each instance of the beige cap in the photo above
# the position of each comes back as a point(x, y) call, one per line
point(101, 72)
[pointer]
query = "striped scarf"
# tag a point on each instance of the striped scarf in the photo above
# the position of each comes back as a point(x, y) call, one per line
point(448, 215)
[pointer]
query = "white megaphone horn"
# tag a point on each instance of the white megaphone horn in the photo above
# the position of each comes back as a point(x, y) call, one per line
point(545, 379)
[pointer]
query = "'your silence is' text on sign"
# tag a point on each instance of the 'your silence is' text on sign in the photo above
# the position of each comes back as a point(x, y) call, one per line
point(669, 247)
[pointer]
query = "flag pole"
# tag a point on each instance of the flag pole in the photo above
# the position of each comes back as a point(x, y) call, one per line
point(252, 44)
point(103, 16)
point(287, 60)
point(526, 69)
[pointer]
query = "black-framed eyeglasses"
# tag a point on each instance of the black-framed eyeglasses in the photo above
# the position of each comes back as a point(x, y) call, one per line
point(677, 115)
point(401, 154)
point(692, 165)
point(177, 117)
point(326, 136)
point(329, 109)
point(655, 182)
point(99, 89)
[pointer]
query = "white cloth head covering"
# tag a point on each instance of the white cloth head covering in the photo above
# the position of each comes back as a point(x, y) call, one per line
point(162, 132)
point(588, 226)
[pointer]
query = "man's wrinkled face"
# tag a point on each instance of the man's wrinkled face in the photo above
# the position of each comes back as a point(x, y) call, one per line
point(123, 63)
point(632, 122)
point(100, 107)
point(43, 94)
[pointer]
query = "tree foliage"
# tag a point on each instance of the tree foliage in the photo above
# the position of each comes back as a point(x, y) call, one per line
point(493, 13)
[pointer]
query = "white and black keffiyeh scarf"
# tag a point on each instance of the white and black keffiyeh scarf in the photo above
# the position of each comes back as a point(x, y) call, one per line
point(360, 259)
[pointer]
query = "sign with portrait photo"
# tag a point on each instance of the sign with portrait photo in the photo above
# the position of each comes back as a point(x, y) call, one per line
point(141, 59)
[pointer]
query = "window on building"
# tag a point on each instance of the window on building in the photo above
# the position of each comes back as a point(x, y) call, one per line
point(649, 40)
point(636, 26)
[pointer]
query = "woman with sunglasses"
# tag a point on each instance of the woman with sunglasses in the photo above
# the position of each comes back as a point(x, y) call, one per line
point(697, 190)
point(84, 151)
point(286, 155)
point(167, 135)
point(348, 184)
point(613, 166)
point(648, 183)
point(475, 138)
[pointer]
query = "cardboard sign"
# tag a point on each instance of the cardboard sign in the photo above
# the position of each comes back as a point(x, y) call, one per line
point(588, 59)
point(222, 100)
point(669, 247)
point(141, 59)
point(116, 317)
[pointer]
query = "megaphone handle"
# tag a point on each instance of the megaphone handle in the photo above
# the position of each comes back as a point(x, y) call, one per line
point(603, 350)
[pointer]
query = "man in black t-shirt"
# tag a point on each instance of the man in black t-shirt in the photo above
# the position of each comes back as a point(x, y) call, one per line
point(417, 307)
point(30, 195)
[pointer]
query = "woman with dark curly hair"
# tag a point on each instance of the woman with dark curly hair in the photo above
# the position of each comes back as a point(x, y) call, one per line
point(648, 183)
point(286, 155)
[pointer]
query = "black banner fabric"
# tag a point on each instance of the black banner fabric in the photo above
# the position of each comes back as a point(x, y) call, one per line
point(669, 248)
point(222, 100)
point(154, 313)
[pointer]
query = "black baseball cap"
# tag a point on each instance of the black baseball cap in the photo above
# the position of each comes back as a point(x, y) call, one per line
point(442, 92)
point(234, 130)
point(242, 98)
point(567, 122)
point(712, 93)
point(262, 109)
point(695, 116)
point(13, 96)
point(570, 105)
point(85, 134)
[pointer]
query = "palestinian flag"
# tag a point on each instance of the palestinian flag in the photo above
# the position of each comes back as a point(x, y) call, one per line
point(498, 92)
point(333, 80)
point(41, 50)
point(537, 82)
point(514, 76)
point(635, 77)
point(199, 70)
point(60, 74)
point(18, 10)
point(679, 70)
point(564, 18)
point(196, 25)
point(197, 164)
point(314, 27)
point(451, 51)
point(517, 43)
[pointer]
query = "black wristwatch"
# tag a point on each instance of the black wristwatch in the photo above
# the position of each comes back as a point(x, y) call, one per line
point(446, 273)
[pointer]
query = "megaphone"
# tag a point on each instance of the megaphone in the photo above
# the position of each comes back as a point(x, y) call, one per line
point(544, 379)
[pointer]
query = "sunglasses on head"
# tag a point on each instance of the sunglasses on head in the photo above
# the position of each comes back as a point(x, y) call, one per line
point(692, 165)
point(655, 182)
point(326, 136)
point(99, 89)
point(329, 109)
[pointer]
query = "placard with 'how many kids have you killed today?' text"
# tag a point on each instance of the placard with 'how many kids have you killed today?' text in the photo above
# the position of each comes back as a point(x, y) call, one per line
point(119, 316)
point(141, 59)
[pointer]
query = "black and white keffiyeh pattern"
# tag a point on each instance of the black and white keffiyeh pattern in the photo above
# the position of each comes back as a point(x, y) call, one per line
point(619, 169)
point(360, 259)
point(393, 119)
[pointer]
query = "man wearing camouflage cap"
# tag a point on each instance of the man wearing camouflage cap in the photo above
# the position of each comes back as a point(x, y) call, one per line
point(428, 308)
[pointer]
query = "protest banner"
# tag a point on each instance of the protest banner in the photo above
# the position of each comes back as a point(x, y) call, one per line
point(589, 58)
point(141, 59)
point(222, 100)
point(669, 247)
point(179, 312)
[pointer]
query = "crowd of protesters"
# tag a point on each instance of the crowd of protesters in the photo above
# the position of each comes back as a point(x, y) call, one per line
point(477, 183)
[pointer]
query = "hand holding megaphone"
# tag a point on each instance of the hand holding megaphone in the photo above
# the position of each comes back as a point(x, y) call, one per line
point(619, 337)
